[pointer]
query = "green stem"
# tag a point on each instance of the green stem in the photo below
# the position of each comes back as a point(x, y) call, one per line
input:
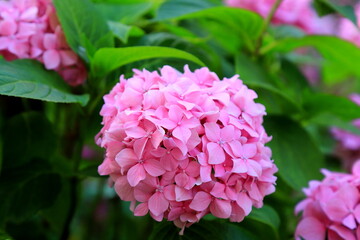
point(265, 26)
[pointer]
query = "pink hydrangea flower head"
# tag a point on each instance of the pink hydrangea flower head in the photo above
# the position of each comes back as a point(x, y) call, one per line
point(183, 145)
point(347, 29)
point(348, 149)
point(297, 13)
point(30, 29)
point(331, 209)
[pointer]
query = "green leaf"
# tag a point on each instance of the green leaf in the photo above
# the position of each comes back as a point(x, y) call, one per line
point(28, 135)
point(123, 31)
point(123, 12)
point(295, 154)
point(176, 8)
point(337, 64)
point(27, 190)
point(83, 25)
point(341, 107)
point(28, 79)
point(245, 24)
point(203, 230)
point(325, 7)
point(4, 236)
point(266, 215)
point(274, 99)
point(109, 59)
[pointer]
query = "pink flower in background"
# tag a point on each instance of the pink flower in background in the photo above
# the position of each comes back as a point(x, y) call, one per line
point(30, 29)
point(183, 145)
point(348, 30)
point(348, 149)
point(292, 12)
point(331, 209)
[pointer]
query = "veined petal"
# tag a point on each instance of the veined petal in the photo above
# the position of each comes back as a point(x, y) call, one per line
point(310, 228)
point(126, 158)
point(136, 174)
point(201, 201)
point(153, 167)
point(220, 208)
point(212, 131)
point(142, 209)
point(216, 153)
point(182, 133)
point(51, 59)
point(158, 203)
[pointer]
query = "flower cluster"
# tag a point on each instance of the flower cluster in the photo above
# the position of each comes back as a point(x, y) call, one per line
point(331, 209)
point(181, 146)
point(298, 13)
point(30, 29)
point(347, 29)
point(348, 148)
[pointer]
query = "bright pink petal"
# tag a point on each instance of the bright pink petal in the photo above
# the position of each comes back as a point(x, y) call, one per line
point(310, 228)
point(201, 201)
point(239, 166)
point(249, 150)
point(343, 232)
point(220, 208)
point(135, 132)
point(136, 174)
point(158, 204)
point(29, 14)
point(216, 153)
point(205, 173)
point(153, 167)
point(349, 221)
point(182, 133)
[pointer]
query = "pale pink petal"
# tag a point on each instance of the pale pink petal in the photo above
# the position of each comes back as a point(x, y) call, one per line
point(244, 202)
point(227, 133)
point(212, 131)
point(4, 43)
point(239, 166)
point(7, 27)
point(135, 132)
point(201, 201)
point(50, 41)
point(169, 192)
point(126, 158)
point(154, 167)
point(220, 208)
point(136, 174)
point(158, 204)
point(216, 153)
point(182, 194)
point(349, 221)
point(182, 133)
point(205, 173)
point(249, 150)
point(29, 14)
point(157, 137)
point(310, 228)
point(51, 59)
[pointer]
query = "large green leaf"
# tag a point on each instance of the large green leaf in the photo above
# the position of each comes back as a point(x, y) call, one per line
point(324, 7)
point(203, 230)
point(28, 135)
point(176, 8)
point(296, 155)
point(109, 59)
point(28, 189)
point(337, 64)
point(341, 107)
point(4, 236)
point(123, 12)
point(28, 79)
point(266, 215)
point(84, 27)
point(246, 24)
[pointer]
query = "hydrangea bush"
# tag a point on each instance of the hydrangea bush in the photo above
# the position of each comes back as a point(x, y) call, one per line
point(185, 145)
point(219, 104)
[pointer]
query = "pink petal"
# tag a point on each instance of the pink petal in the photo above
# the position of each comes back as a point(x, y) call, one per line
point(218, 191)
point(7, 27)
point(193, 169)
point(205, 173)
point(239, 166)
point(68, 58)
point(157, 137)
point(50, 41)
point(126, 158)
point(182, 133)
point(227, 133)
point(201, 201)
point(135, 132)
point(249, 150)
point(175, 113)
point(310, 228)
point(4, 43)
point(182, 194)
point(29, 14)
point(167, 123)
point(123, 189)
point(349, 221)
point(343, 232)
point(141, 210)
point(181, 179)
point(216, 153)
point(212, 131)
point(169, 192)
point(153, 167)
point(51, 59)
point(136, 174)
point(244, 202)
point(158, 204)
point(26, 30)
point(220, 208)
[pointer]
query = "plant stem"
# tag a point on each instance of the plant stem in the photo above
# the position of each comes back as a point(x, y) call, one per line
point(265, 26)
